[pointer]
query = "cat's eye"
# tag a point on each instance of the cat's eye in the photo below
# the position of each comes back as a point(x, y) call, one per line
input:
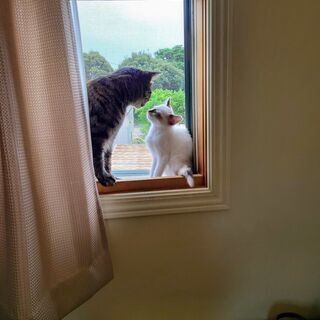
point(148, 94)
point(155, 113)
point(174, 38)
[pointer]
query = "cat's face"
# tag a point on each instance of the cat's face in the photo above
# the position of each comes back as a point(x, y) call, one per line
point(163, 115)
point(148, 79)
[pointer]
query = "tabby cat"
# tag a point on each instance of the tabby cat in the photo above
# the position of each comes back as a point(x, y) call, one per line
point(109, 96)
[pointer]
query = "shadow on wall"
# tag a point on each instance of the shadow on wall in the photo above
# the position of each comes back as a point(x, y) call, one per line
point(308, 312)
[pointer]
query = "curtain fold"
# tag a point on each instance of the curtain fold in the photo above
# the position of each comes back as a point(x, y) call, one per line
point(53, 249)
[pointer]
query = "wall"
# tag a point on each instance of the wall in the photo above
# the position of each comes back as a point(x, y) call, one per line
point(124, 135)
point(264, 253)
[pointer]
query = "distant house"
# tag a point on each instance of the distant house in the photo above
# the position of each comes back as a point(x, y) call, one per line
point(124, 135)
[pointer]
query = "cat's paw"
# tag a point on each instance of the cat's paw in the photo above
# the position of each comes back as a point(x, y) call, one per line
point(106, 179)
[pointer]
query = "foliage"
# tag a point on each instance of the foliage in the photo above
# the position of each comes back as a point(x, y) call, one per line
point(173, 55)
point(96, 65)
point(171, 77)
point(168, 61)
point(158, 97)
point(140, 60)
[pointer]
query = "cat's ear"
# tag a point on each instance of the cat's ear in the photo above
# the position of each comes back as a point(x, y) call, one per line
point(172, 119)
point(167, 103)
point(153, 75)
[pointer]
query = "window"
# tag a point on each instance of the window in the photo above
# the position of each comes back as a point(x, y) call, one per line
point(204, 25)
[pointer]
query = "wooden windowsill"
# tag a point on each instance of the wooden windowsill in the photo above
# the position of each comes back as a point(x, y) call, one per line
point(151, 184)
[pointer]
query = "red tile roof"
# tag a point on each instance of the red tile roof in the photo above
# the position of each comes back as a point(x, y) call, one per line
point(131, 157)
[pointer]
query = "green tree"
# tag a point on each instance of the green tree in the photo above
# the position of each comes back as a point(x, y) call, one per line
point(171, 77)
point(140, 60)
point(96, 65)
point(174, 55)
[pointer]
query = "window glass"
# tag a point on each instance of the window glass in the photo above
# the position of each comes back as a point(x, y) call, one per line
point(146, 34)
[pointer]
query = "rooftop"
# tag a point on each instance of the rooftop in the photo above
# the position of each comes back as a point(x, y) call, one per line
point(131, 157)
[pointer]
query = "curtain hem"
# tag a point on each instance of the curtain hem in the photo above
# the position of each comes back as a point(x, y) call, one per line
point(70, 294)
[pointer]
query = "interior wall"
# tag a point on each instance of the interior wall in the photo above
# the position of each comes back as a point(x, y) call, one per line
point(263, 255)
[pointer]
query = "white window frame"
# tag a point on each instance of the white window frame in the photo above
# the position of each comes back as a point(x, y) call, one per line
point(216, 196)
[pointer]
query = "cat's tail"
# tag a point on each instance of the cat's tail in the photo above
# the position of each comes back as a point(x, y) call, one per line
point(187, 173)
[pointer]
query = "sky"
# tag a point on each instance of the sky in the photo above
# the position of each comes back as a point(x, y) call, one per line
point(116, 28)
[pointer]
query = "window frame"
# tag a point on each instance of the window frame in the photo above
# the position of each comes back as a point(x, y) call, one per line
point(195, 91)
point(212, 22)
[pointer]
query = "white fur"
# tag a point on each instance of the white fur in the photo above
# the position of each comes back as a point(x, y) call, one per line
point(170, 145)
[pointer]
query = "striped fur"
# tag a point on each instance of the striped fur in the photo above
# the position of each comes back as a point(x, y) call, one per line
point(109, 96)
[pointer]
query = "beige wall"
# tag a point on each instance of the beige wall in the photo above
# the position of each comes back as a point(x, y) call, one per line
point(265, 252)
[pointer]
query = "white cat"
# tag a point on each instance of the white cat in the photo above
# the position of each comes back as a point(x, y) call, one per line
point(170, 144)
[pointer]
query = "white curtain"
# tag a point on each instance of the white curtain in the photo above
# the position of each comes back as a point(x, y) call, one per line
point(53, 249)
